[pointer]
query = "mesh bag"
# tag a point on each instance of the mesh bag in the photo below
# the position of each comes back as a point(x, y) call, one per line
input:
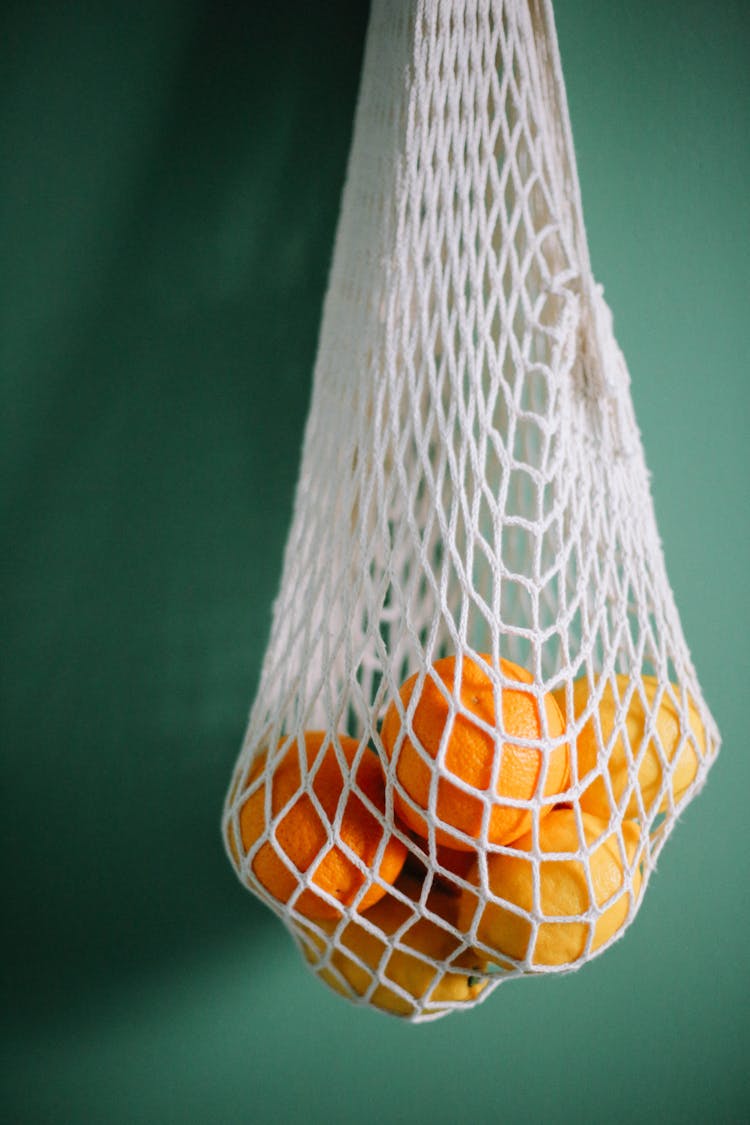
point(477, 718)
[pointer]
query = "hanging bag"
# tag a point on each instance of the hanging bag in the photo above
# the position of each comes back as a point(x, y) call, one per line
point(477, 718)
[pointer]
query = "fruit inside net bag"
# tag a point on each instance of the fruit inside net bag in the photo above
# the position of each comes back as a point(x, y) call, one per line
point(477, 717)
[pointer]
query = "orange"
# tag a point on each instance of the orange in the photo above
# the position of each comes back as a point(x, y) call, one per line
point(564, 894)
point(471, 752)
point(301, 843)
point(407, 965)
point(671, 741)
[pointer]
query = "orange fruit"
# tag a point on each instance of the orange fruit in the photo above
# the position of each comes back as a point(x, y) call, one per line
point(564, 894)
point(300, 842)
point(671, 740)
point(407, 965)
point(471, 752)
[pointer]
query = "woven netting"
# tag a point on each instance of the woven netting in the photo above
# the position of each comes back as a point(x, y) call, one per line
point(477, 719)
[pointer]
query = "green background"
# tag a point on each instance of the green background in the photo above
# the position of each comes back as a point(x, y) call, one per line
point(170, 183)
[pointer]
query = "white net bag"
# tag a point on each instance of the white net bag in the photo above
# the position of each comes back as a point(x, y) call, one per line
point(477, 718)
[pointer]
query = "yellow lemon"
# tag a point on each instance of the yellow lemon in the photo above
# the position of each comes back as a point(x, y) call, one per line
point(419, 969)
point(565, 892)
point(690, 746)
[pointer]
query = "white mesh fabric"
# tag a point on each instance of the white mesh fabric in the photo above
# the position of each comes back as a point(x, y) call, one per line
point(472, 484)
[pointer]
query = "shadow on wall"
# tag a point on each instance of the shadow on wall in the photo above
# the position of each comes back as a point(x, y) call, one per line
point(162, 348)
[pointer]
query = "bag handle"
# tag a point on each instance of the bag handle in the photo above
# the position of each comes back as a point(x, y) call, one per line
point(602, 373)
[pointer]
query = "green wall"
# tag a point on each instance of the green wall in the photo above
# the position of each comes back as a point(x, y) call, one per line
point(168, 196)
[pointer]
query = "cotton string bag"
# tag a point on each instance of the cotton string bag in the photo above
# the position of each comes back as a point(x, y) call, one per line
point(473, 511)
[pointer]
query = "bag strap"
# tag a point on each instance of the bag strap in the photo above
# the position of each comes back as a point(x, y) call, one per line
point(604, 372)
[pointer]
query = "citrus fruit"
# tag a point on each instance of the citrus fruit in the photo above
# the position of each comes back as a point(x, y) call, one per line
point(418, 969)
point(471, 751)
point(300, 841)
point(564, 893)
point(669, 741)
